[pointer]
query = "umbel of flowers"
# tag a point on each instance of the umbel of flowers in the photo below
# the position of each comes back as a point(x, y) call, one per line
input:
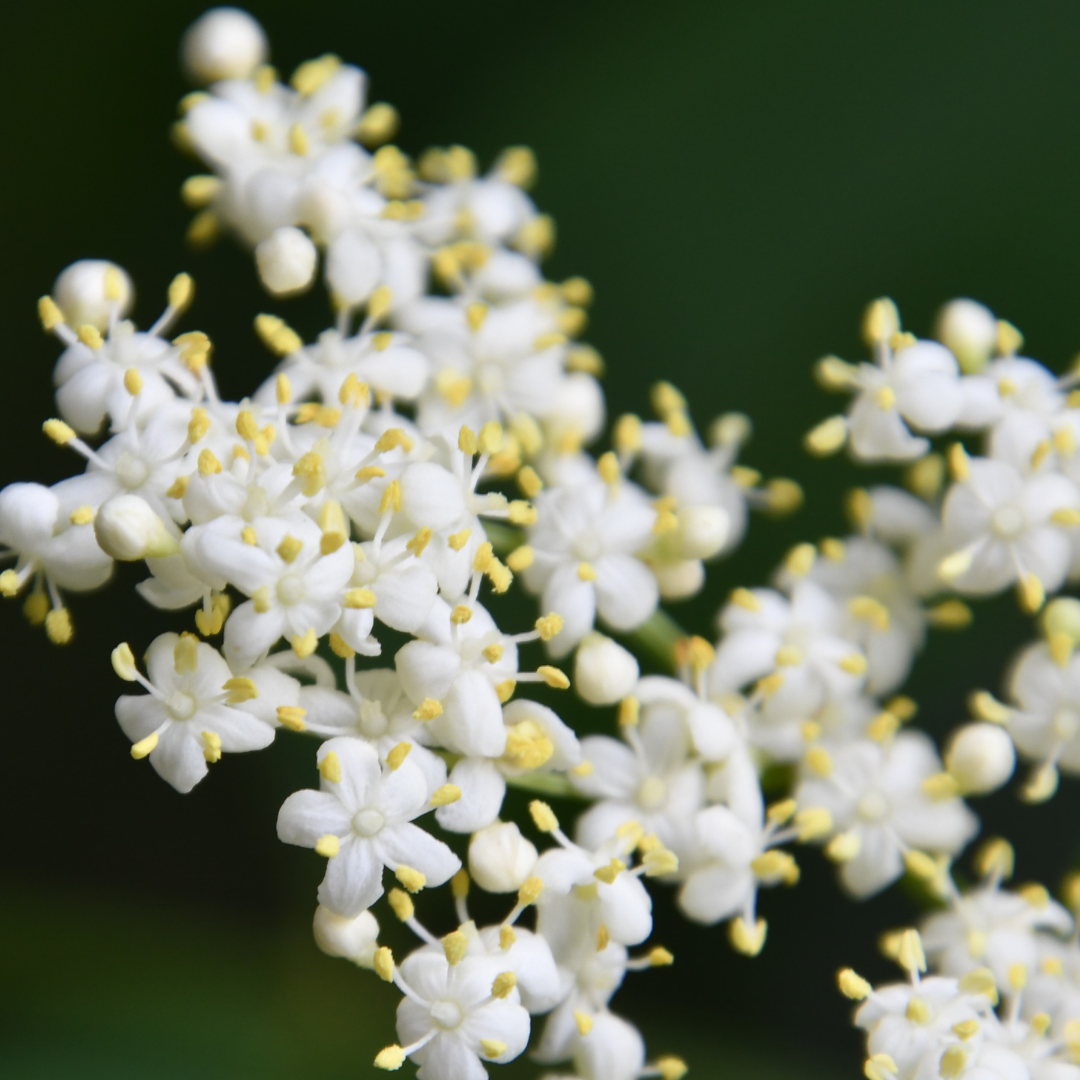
point(431, 447)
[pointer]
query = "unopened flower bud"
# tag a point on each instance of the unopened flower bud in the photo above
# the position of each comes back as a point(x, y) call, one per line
point(128, 529)
point(350, 939)
point(702, 531)
point(980, 758)
point(286, 261)
point(87, 290)
point(969, 331)
point(680, 578)
point(500, 858)
point(604, 672)
point(224, 43)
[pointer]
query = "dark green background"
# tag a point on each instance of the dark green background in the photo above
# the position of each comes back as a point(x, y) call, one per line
point(737, 180)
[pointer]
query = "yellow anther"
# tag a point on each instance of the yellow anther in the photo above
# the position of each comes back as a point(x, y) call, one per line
point(875, 612)
point(800, 560)
point(428, 709)
point(543, 816)
point(910, 955)
point(586, 572)
point(521, 512)
point(788, 656)
point(49, 313)
point(393, 438)
point(248, 535)
point(459, 885)
point(492, 1048)
point(959, 462)
point(773, 866)
point(507, 937)
point(396, 758)
point(968, 1029)
point(239, 689)
point(608, 874)
point(584, 1022)
point(454, 946)
point(832, 373)
point(827, 438)
point(527, 746)
point(491, 438)
point(505, 690)
point(411, 879)
point(290, 548)
point(281, 339)
point(769, 685)
point(880, 322)
point(813, 823)
point(186, 654)
point(458, 540)
point(340, 647)
point(310, 468)
point(292, 717)
point(549, 625)
point(58, 431)
point(553, 677)
point(379, 303)
point(608, 468)
point(843, 847)
point(1040, 1023)
point(940, 787)
point(996, 858)
point(921, 865)
point(880, 1067)
point(671, 1067)
point(330, 767)
point(391, 498)
point(445, 795)
point(211, 747)
point(123, 662)
point(950, 615)
point(198, 192)
point(980, 981)
point(299, 143)
point(883, 727)
point(383, 963)
point(748, 940)
point(852, 985)
point(503, 984)
point(1036, 895)
point(885, 398)
point(530, 890)
point(1032, 593)
point(985, 706)
point(819, 761)
point(421, 539)
point(460, 614)
point(360, 598)
point(133, 381)
point(144, 747)
point(378, 125)
point(246, 427)
point(853, 664)
point(953, 1062)
point(520, 559)
point(401, 904)
point(90, 336)
point(370, 472)
point(304, 645)
point(745, 599)
point(328, 846)
point(1018, 976)
point(208, 463)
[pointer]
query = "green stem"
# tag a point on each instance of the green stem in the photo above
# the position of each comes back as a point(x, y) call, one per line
point(656, 638)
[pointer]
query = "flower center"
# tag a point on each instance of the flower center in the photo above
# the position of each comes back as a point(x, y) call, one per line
point(131, 471)
point(489, 377)
point(290, 589)
point(256, 504)
point(368, 822)
point(527, 746)
point(873, 806)
point(373, 722)
point(181, 706)
point(1008, 522)
point(447, 1014)
point(587, 547)
point(652, 793)
point(1066, 723)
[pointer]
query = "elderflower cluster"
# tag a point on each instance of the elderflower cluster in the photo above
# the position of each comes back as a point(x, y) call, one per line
point(340, 535)
point(1002, 999)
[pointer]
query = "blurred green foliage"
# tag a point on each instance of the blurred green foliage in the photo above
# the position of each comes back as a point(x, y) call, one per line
point(737, 180)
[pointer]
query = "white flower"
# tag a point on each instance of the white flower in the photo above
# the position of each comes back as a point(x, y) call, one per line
point(1045, 725)
point(296, 591)
point(49, 549)
point(1003, 527)
point(612, 1050)
point(802, 641)
point(880, 809)
point(193, 712)
point(992, 928)
point(361, 819)
point(128, 530)
point(449, 1020)
point(584, 544)
point(460, 665)
point(919, 385)
point(536, 741)
point(652, 778)
point(224, 43)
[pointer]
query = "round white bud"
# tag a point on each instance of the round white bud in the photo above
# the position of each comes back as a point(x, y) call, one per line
point(702, 531)
point(980, 758)
point(286, 261)
point(500, 858)
point(604, 672)
point(349, 939)
point(969, 330)
point(225, 43)
point(127, 529)
point(87, 290)
point(579, 405)
point(679, 578)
